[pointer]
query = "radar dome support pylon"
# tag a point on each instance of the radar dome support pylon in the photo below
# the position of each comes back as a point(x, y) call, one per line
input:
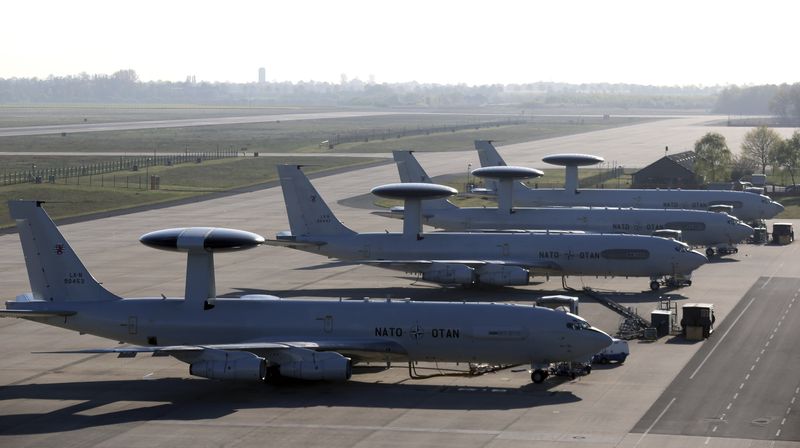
point(412, 194)
point(571, 162)
point(506, 176)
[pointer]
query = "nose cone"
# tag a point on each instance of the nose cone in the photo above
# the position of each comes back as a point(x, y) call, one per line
point(595, 341)
point(741, 232)
point(773, 209)
point(689, 261)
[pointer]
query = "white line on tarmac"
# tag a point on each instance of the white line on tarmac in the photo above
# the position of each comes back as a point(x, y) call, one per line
point(691, 377)
point(654, 422)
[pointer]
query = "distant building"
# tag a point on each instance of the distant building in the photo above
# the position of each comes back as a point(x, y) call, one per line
point(262, 75)
point(671, 171)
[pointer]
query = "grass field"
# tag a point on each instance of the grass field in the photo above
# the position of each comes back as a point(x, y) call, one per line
point(58, 114)
point(177, 182)
point(306, 135)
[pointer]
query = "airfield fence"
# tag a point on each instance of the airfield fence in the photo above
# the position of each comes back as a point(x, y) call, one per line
point(389, 133)
point(603, 176)
point(126, 163)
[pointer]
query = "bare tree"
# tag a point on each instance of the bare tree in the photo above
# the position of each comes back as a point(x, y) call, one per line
point(787, 154)
point(758, 145)
point(713, 158)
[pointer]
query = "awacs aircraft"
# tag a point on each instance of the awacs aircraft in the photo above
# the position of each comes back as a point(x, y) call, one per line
point(699, 228)
point(258, 337)
point(501, 259)
point(746, 206)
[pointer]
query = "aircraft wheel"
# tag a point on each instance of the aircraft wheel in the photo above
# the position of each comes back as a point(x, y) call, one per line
point(654, 285)
point(587, 369)
point(538, 376)
point(710, 252)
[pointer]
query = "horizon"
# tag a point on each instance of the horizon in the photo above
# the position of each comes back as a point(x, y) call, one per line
point(699, 44)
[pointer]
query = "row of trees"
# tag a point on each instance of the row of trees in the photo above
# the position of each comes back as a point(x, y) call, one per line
point(780, 100)
point(761, 147)
point(124, 86)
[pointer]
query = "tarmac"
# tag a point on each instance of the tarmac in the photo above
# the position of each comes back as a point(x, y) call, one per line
point(669, 393)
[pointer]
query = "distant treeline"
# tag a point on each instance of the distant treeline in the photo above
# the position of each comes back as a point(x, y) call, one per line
point(782, 101)
point(124, 86)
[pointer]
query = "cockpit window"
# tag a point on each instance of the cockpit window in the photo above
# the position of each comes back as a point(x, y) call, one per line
point(682, 248)
point(578, 325)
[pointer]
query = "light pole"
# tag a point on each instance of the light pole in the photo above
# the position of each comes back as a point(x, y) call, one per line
point(469, 170)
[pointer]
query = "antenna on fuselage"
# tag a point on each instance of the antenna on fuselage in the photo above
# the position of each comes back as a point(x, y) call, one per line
point(506, 176)
point(200, 243)
point(571, 162)
point(413, 194)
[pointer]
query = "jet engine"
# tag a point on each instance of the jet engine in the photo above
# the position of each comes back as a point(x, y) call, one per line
point(230, 366)
point(326, 366)
point(449, 273)
point(501, 275)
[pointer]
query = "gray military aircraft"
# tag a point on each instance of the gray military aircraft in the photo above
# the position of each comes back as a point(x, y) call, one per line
point(699, 228)
point(499, 259)
point(746, 206)
point(259, 337)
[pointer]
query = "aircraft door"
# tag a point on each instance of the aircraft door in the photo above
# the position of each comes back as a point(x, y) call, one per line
point(133, 326)
point(365, 252)
point(504, 249)
point(327, 323)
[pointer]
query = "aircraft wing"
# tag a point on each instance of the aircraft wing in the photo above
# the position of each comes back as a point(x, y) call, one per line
point(35, 313)
point(356, 348)
point(293, 243)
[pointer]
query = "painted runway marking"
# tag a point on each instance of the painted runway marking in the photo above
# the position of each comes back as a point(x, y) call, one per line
point(721, 339)
point(649, 428)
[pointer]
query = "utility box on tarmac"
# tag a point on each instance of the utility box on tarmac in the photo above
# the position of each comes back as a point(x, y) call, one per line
point(661, 320)
point(782, 233)
point(698, 320)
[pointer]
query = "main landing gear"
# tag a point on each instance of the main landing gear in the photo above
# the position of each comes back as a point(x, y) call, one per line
point(538, 376)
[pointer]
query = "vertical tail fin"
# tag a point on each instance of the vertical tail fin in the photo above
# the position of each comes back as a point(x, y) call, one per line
point(409, 168)
point(411, 171)
point(488, 154)
point(55, 272)
point(308, 212)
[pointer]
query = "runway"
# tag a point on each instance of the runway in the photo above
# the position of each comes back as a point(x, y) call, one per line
point(177, 123)
point(103, 401)
point(744, 383)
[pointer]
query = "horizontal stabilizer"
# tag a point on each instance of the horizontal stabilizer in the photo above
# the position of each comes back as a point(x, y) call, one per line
point(293, 243)
point(35, 313)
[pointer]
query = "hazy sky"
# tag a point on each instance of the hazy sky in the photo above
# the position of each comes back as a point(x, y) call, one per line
point(672, 42)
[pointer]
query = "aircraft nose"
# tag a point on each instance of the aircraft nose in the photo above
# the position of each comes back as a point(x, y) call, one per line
point(597, 340)
point(689, 261)
point(774, 209)
point(742, 232)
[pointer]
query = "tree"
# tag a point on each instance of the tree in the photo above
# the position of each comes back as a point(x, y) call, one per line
point(787, 154)
point(758, 145)
point(713, 158)
point(741, 166)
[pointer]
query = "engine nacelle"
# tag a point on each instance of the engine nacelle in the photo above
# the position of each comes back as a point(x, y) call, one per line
point(501, 275)
point(449, 273)
point(232, 366)
point(326, 366)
